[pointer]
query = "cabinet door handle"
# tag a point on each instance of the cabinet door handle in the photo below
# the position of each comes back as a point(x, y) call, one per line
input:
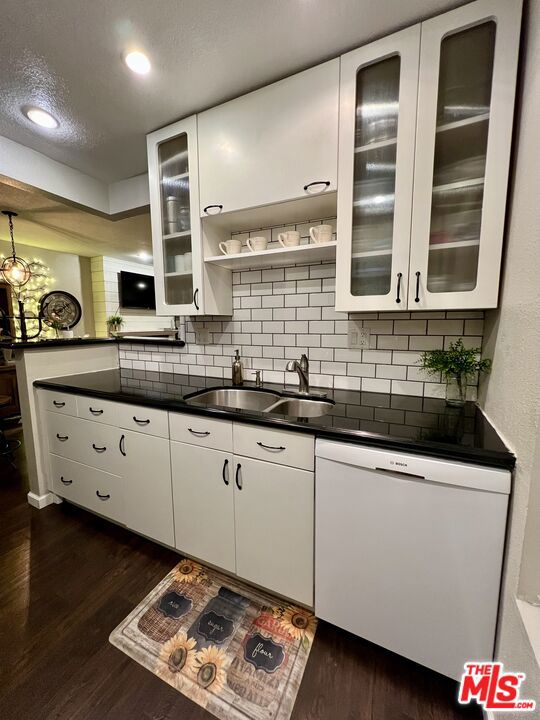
point(195, 298)
point(399, 276)
point(199, 433)
point(65, 482)
point(238, 478)
point(225, 472)
point(213, 207)
point(141, 422)
point(102, 497)
point(98, 449)
point(95, 412)
point(122, 445)
point(62, 438)
point(326, 184)
point(271, 447)
point(417, 298)
point(56, 403)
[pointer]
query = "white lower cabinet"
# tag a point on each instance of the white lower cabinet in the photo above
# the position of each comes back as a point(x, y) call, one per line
point(247, 516)
point(274, 527)
point(145, 466)
point(204, 503)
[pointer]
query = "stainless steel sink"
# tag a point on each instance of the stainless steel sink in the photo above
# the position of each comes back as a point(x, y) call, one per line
point(235, 398)
point(301, 407)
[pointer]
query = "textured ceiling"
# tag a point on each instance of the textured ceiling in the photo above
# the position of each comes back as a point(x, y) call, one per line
point(46, 223)
point(65, 56)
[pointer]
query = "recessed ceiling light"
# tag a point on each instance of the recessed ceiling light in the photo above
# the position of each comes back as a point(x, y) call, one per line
point(138, 62)
point(41, 118)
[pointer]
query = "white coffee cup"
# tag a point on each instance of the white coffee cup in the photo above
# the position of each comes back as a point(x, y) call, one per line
point(291, 238)
point(230, 247)
point(321, 234)
point(257, 244)
point(188, 261)
point(179, 263)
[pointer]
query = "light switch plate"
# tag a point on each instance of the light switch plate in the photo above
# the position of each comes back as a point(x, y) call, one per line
point(358, 335)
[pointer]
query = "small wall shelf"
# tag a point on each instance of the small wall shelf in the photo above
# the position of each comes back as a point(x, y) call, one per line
point(278, 256)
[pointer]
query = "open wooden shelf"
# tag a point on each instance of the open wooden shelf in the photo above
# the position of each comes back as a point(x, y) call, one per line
point(278, 256)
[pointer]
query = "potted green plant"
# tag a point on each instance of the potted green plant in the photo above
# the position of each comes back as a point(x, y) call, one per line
point(457, 365)
point(114, 324)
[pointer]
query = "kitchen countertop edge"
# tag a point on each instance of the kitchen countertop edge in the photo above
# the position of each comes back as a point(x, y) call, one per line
point(460, 453)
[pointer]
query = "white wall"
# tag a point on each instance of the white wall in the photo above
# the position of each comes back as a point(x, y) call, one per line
point(70, 273)
point(511, 395)
point(105, 288)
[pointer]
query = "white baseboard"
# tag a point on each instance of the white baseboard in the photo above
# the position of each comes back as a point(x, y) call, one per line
point(40, 501)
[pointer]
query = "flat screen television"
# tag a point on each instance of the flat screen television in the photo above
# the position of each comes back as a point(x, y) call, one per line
point(137, 291)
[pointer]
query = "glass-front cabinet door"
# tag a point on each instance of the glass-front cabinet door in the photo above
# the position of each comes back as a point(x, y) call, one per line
point(467, 80)
point(176, 232)
point(378, 92)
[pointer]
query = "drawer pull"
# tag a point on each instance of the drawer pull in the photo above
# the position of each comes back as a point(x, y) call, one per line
point(238, 477)
point(199, 433)
point(141, 422)
point(95, 412)
point(271, 447)
point(62, 438)
point(122, 445)
point(225, 472)
point(65, 482)
point(98, 449)
point(56, 403)
point(213, 207)
point(102, 497)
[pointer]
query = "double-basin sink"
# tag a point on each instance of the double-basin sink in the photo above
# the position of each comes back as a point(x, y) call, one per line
point(261, 400)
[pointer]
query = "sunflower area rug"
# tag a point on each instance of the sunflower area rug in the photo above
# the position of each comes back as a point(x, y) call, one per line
point(232, 649)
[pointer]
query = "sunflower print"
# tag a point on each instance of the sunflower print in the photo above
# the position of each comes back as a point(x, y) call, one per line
point(188, 571)
point(177, 654)
point(210, 668)
point(299, 623)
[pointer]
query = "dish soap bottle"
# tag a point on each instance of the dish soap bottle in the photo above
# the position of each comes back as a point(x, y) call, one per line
point(237, 378)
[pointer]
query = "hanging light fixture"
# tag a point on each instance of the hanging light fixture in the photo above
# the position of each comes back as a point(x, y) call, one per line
point(14, 269)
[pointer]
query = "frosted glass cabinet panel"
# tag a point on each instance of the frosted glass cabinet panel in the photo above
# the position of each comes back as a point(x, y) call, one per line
point(376, 161)
point(173, 177)
point(467, 80)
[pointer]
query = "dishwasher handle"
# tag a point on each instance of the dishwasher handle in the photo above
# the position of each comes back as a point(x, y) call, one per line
point(389, 471)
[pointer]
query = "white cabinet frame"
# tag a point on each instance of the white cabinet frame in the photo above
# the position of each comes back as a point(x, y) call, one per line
point(507, 16)
point(406, 44)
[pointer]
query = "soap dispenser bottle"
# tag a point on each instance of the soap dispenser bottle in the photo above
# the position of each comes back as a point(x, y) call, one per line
point(237, 378)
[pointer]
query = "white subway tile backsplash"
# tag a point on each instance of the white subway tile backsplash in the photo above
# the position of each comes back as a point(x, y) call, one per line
point(280, 313)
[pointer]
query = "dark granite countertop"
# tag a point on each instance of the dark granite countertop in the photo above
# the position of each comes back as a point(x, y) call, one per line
point(71, 342)
point(423, 426)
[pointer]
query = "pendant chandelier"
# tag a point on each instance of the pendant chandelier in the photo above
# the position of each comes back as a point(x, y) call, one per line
point(14, 269)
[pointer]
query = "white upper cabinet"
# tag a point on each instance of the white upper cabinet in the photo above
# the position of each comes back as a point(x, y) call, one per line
point(376, 165)
point(424, 148)
point(183, 285)
point(272, 145)
point(468, 66)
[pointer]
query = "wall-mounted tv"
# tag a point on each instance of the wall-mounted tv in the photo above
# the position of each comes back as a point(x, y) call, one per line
point(137, 291)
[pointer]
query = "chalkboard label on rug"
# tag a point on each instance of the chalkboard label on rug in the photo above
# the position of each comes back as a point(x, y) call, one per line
point(216, 628)
point(263, 653)
point(174, 605)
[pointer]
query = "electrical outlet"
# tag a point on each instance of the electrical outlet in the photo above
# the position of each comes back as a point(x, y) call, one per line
point(202, 336)
point(358, 335)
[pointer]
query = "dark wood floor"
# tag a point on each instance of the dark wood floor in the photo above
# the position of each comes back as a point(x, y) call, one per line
point(68, 578)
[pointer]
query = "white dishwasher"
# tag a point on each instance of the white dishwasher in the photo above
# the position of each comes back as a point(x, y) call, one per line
point(408, 552)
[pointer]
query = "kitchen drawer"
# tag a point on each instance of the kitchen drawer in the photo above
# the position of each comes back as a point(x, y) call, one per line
point(94, 489)
point(278, 446)
point(201, 430)
point(131, 417)
point(58, 402)
point(86, 442)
